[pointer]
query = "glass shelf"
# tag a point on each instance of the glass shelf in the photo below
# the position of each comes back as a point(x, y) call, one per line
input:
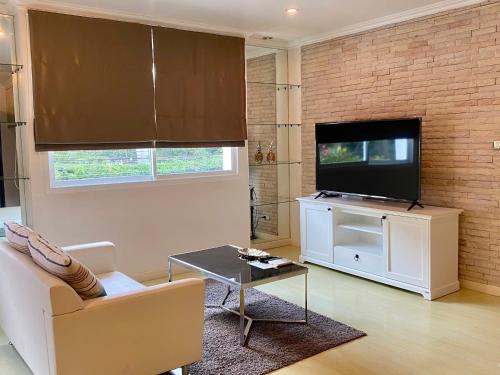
point(14, 178)
point(288, 85)
point(266, 164)
point(12, 124)
point(264, 203)
point(275, 125)
point(12, 68)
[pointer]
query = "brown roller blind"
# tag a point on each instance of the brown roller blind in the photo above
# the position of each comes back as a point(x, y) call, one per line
point(92, 82)
point(200, 89)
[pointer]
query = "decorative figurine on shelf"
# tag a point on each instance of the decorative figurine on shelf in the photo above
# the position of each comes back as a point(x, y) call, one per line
point(270, 157)
point(259, 156)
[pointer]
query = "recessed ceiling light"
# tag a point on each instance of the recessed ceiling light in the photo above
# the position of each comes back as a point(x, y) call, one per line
point(292, 11)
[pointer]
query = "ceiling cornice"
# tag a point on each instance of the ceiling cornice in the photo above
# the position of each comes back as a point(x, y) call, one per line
point(392, 19)
point(56, 6)
point(81, 10)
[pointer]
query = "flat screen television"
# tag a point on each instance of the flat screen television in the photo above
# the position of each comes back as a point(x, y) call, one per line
point(379, 159)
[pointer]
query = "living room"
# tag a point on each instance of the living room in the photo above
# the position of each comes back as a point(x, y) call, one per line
point(170, 154)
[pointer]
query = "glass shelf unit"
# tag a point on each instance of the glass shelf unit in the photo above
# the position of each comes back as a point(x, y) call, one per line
point(13, 179)
point(12, 124)
point(10, 68)
point(272, 222)
point(271, 129)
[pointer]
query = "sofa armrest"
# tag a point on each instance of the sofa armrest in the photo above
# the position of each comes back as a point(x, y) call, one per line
point(100, 257)
point(149, 331)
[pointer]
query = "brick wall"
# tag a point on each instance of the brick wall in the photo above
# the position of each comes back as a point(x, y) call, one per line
point(445, 68)
point(261, 113)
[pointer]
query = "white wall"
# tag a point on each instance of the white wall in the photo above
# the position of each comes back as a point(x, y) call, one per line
point(147, 221)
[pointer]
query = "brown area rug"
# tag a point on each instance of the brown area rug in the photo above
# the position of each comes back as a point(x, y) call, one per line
point(270, 346)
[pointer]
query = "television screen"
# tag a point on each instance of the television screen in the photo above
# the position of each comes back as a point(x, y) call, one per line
point(372, 158)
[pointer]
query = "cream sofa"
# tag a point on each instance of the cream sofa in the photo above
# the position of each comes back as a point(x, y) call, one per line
point(134, 330)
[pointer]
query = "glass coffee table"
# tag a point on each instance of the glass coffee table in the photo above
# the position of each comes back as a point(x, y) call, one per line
point(224, 265)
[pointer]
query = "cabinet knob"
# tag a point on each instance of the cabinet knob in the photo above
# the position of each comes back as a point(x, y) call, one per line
point(356, 258)
point(329, 209)
point(384, 217)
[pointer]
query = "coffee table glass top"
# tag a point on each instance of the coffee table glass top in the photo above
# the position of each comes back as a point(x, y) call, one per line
point(223, 263)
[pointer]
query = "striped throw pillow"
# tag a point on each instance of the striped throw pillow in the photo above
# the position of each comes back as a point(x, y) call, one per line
point(56, 261)
point(17, 235)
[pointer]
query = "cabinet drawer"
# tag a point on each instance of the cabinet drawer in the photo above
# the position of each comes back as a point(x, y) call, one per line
point(358, 260)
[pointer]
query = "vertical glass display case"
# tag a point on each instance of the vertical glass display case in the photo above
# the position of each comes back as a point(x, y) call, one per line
point(11, 166)
point(272, 138)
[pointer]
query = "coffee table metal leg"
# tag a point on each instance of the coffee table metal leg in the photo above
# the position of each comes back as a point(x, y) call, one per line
point(228, 291)
point(242, 316)
point(169, 271)
point(305, 299)
point(246, 322)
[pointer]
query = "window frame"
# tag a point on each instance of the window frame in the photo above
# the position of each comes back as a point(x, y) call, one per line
point(153, 178)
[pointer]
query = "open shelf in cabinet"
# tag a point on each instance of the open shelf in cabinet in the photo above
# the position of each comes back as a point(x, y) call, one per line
point(366, 228)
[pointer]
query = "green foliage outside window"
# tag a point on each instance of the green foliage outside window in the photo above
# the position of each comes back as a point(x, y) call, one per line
point(80, 165)
point(188, 160)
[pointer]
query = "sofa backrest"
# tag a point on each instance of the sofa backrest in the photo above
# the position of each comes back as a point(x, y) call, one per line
point(29, 296)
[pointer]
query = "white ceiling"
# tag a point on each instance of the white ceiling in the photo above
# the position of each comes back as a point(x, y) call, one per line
point(262, 17)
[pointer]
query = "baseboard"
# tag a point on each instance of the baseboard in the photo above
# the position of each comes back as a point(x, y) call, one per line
point(444, 290)
point(272, 244)
point(484, 288)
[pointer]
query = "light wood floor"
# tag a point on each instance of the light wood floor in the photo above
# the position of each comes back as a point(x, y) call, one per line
point(457, 334)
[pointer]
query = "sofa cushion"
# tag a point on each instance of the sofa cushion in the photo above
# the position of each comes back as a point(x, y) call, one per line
point(117, 283)
point(17, 235)
point(56, 261)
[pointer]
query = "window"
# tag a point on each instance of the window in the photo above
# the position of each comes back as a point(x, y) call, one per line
point(81, 168)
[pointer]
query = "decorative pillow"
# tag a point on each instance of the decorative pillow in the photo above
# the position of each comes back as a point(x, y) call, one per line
point(17, 235)
point(56, 261)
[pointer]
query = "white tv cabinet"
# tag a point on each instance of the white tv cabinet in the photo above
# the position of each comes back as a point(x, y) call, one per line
point(415, 250)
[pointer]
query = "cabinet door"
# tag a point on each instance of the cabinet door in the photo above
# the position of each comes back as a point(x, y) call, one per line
point(406, 248)
point(316, 226)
